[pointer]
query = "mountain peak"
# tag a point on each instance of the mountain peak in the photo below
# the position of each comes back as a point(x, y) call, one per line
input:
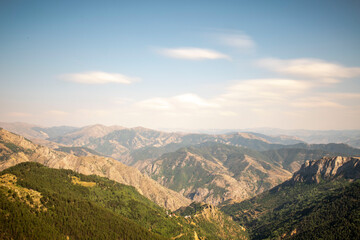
point(328, 168)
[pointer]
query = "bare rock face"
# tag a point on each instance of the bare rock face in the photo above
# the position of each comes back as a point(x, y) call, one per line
point(15, 149)
point(328, 168)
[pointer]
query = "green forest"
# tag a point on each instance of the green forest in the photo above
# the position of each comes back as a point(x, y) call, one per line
point(90, 208)
point(328, 210)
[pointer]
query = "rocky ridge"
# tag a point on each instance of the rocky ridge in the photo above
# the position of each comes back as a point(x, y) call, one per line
point(328, 168)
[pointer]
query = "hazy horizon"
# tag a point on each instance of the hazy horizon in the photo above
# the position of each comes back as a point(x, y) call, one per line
point(188, 130)
point(181, 65)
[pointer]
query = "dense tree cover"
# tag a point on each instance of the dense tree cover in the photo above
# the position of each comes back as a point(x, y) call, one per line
point(108, 210)
point(192, 209)
point(69, 212)
point(329, 210)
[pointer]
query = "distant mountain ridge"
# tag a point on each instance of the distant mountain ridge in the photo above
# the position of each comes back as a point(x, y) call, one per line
point(350, 137)
point(139, 146)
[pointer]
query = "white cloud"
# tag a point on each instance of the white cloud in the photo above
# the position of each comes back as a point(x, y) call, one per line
point(315, 102)
point(264, 91)
point(237, 40)
point(155, 104)
point(327, 72)
point(98, 78)
point(193, 53)
point(193, 100)
point(187, 101)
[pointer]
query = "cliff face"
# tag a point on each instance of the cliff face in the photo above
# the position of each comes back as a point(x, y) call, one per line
point(328, 168)
point(15, 149)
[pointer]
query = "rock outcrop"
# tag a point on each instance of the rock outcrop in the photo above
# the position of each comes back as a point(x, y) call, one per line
point(328, 168)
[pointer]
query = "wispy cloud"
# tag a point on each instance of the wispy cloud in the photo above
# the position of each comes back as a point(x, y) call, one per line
point(184, 101)
point(155, 104)
point(98, 78)
point(193, 53)
point(315, 102)
point(192, 100)
point(238, 40)
point(264, 91)
point(325, 71)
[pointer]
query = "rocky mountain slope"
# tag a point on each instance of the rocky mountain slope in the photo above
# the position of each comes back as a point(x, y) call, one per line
point(321, 199)
point(15, 149)
point(328, 168)
point(214, 172)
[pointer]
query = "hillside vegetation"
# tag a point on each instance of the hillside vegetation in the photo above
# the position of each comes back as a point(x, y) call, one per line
point(77, 206)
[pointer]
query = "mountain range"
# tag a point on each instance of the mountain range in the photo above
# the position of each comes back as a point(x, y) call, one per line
point(272, 190)
point(201, 167)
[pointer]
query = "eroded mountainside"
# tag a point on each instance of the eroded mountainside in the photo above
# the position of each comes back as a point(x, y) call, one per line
point(15, 149)
point(328, 168)
point(214, 172)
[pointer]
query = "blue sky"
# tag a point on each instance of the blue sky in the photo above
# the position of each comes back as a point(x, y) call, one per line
point(184, 64)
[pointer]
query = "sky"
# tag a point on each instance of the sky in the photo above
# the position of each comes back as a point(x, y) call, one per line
point(181, 64)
